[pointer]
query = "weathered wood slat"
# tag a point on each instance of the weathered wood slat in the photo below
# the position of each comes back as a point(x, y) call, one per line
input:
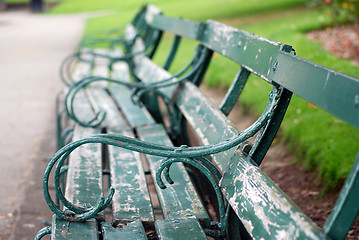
point(152, 11)
point(136, 115)
point(120, 70)
point(83, 67)
point(185, 228)
point(149, 72)
point(82, 107)
point(84, 176)
point(130, 33)
point(181, 27)
point(209, 123)
point(101, 67)
point(133, 231)
point(83, 187)
point(264, 209)
point(132, 199)
point(253, 52)
point(339, 93)
point(101, 64)
point(62, 229)
point(101, 100)
point(180, 199)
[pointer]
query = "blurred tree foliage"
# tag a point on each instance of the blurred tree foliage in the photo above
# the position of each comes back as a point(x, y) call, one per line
point(341, 11)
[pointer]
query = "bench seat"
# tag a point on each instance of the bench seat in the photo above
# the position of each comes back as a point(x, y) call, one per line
point(131, 205)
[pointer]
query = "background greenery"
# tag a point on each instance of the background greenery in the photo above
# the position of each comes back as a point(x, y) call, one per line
point(320, 141)
point(338, 10)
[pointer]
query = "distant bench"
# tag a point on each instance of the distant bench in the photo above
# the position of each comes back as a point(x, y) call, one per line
point(170, 163)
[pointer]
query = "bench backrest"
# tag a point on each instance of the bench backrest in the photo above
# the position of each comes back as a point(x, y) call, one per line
point(264, 210)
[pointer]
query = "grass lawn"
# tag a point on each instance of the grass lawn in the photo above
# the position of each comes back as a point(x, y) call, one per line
point(321, 141)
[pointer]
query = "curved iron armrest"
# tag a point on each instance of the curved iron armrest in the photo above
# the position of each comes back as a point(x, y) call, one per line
point(194, 156)
point(139, 89)
point(43, 232)
point(67, 63)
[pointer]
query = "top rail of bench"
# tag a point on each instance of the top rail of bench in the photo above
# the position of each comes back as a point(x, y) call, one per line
point(275, 62)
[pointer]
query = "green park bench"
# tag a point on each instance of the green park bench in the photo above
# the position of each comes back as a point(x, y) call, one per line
point(153, 158)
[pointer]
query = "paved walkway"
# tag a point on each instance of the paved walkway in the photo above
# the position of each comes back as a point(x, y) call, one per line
point(31, 49)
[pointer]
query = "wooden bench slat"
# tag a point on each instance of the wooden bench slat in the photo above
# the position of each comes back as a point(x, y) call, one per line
point(251, 51)
point(83, 186)
point(101, 64)
point(82, 68)
point(209, 123)
point(185, 228)
point(133, 231)
point(131, 200)
point(151, 11)
point(62, 229)
point(82, 107)
point(264, 209)
point(120, 70)
point(339, 93)
point(102, 101)
point(181, 27)
point(101, 67)
point(84, 177)
point(180, 199)
point(149, 72)
point(135, 115)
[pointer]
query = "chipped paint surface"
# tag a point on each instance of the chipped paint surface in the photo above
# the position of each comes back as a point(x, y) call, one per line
point(130, 33)
point(133, 230)
point(179, 199)
point(62, 229)
point(149, 72)
point(209, 123)
point(131, 199)
point(84, 179)
point(102, 102)
point(82, 68)
point(150, 12)
point(262, 207)
point(188, 228)
point(253, 52)
point(136, 115)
